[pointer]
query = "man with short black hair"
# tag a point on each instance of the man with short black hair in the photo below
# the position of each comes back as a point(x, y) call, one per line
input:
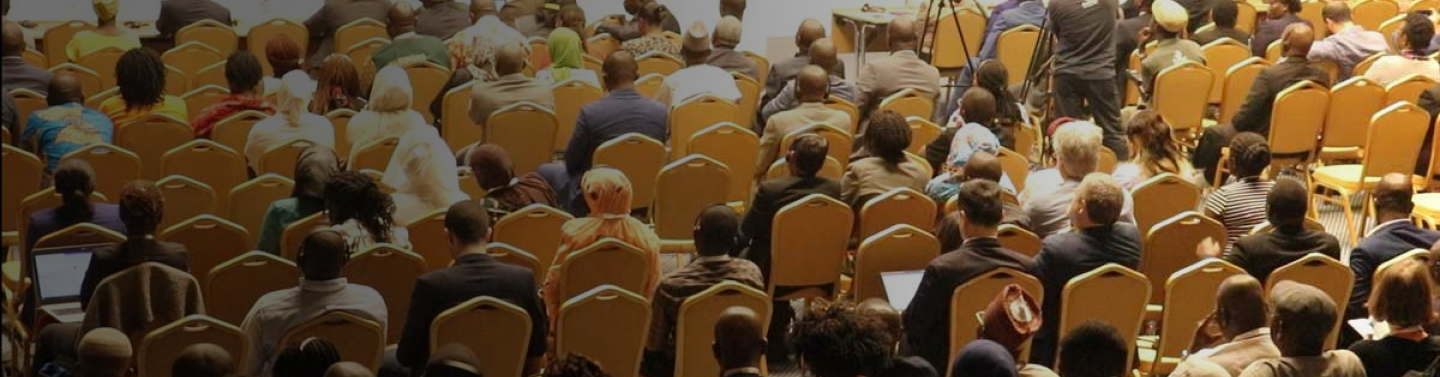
point(1240, 314)
point(1094, 349)
point(1261, 254)
point(1303, 315)
point(1393, 234)
point(698, 78)
point(487, 98)
point(1223, 14)
point(1348, 43)
point(739, 342)
point(407, 47)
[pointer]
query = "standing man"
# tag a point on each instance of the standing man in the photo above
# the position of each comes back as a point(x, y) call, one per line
point(177, 14)
point(443, 18)
point(408, 48)
point(1085, 65)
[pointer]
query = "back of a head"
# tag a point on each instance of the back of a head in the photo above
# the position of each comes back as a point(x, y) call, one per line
point(1418, 31)
point(243, 71)
point(738, 337)
point(141, 78)
point(810, 31)
point(509, 59)
point(985, 358)
point(309, 358)
point(620, 69)
point(994, 77)
point(717, 230)
point(1393, 196)
point(695, 45)
point(323, 255)
point(1094, 349)
point(573, 365)
point(203, 360)
point(1301, 313)
point(1249, 154)
point(979, 201)
point(481, 9)
point(983, 165)
point(351, 195)
point(65, 87)
point(1401, 296)
point(813, 84)
point(1240, 302)
point(106, 10)
point(1336, 11)
point(12, 39)
point(1103, 198)
point(492, 166)
point(453, 360)
point(293, 97)
point(348, 369)
point(807, 154)
point(468, 222)
point(888, 136)
point(880, 313)
point(400, 19)
point(1286, 205)
point(831, 340)
point(1077, 146)
point(142, 207)
point(313, 170)
point(727, 32)
point(572, 17)
point(284, 54)
point(823, 53)
point(391, 91)
point(74, 181)
point(1224, 14)
point(653, 13)
point(104, 352)
point(978, 106)
point(1298, 37)
point(902, 32)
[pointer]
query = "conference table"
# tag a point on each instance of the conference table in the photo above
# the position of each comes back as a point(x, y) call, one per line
point(859, 22)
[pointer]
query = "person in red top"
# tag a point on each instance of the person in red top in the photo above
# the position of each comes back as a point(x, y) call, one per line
point(243, 72)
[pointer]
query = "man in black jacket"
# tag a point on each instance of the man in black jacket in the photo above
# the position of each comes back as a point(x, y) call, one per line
point(1261, 254)
point(1393, 235)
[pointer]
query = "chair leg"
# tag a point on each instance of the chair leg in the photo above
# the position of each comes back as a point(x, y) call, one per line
point(1349, 215)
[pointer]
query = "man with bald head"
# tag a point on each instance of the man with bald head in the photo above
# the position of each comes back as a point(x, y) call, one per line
point(781, 72)
point(724, 55)
point(203, 360)
point(443, 18)
point(901, 70)
point(813, 86)
point(15, 72)
point(739, 342)
point(408, 48)
point(624, 110)
point(66, 116)
point(698, 78)
point(511, 88)
point(480, 9)
point(1393, 234)
point(822, 54)
point(1240, 316)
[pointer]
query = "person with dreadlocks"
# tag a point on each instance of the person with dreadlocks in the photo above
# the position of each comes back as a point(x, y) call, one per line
point(141, 78)
point(1154, 151)
point(243, 73)
point(888, 168)
point(357, 208)
point(1240, 204)
point(142, 207)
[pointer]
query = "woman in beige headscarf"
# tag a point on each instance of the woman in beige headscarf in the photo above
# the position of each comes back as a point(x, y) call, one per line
point(424, 176)
point(107, 33)
point(388, 113)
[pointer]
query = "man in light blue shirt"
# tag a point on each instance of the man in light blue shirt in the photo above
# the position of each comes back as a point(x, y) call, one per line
point(1348, 44)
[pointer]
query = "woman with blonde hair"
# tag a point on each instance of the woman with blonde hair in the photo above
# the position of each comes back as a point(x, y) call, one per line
point(424, 176)
point(1156, 152)
point(388, 113)
point(1401, 300)
point(291, 121)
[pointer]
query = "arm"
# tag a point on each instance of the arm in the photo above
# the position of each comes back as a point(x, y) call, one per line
point(270, 230)
point(1364, 270)
point(769, 150)
point(759, 211)
point(1255, 104)
point(260, 349)
point(539, 327)
point(850, 185)
point(865, 89)
point(923, 319)
point(319, 23)
point(1324, 49)
point(414, 348)
point(579, 152)
point(165, 22)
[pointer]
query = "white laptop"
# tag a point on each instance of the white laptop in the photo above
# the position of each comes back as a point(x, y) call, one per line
point(900, 287)
point(58, 274)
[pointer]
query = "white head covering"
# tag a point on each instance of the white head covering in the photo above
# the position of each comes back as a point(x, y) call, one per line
point(424, 175)
point(391, 91)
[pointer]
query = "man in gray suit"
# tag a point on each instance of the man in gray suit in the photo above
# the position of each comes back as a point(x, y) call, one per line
point(442, 18)
point(723, 55)
point(177, 14)
point(903, 69)
point(18, 74)
point(512, 87)
point(337, 13)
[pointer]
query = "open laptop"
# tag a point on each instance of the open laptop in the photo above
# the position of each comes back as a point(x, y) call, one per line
point(58, 275)
point(900, 287)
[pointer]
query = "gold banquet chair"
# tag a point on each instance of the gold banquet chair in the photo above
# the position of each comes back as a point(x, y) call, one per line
point(358, 339)
point(57, 37)
point(837, 103)
point(429, 239)
point(340, 118)
point(1369, 14)
point(695, 325)
point(185, 198)
point(211, 241)
point(909, 102)
point(90, 81)
point(900, 248)
point(1187, 305)
point(235, 285)
point(527, 131)
point(245, 200)
point(1407, 88)
point(922, 132)
point(1111, 294)
point(1165, 196)
point(760, 62)
point(1170, 246)
point(649, 85)
point(158, 350)
point(975, 295)
point(374, 155)
point(609, 325)
point(1220, 55)
point(750, 91)
point(570, 96)
point(392, 272)
point(498, 332)
point(695, 114)
point(151, 137)
point(103, 63)
point(535, 229)
point(898, 206)
point(211, 75)
point(1182, 97)
point(640, 157)
point(455, 125)
point(212, 33)
point(511, 255)
point(23, 175)
point(355, 32)
point(205, 161)
point(808, 244)
point(840, 141)
point(1395, 135)
point(294, 234)
point(684, 189)
point(114, 166)
point(607, 262)
point(1238, 80)
point(1296, 123)
point(737, 148)
point(428, 80)
point(656, 62)
point(1014, 49)
point(1324, 273)
point(234, 132)
point(281, 159)
point(190, 58)
point(1352, 104)
point(1020, 240)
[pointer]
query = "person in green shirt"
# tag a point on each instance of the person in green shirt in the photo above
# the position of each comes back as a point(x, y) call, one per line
point(313, 170)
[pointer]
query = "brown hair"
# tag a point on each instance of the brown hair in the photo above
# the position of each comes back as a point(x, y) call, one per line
point(1402, 295)
point(338, 77)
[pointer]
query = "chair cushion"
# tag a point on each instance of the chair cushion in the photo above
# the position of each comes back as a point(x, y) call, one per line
point(1424, 203)
point(1345, 177)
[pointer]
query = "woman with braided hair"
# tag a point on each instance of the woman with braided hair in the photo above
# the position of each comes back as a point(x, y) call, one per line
point(141, 78)
point(1240, 204)
point(1155, 152)
point(357, 208)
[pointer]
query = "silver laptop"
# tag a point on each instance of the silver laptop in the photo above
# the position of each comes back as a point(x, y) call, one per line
point(58, 275)
point(900, 287)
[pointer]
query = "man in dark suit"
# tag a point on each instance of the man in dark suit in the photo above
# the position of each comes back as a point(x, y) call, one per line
point(1281, 14)
point(177, 14)
point(443, 18)
point(738, 344)
point(927, 320)
point(1430, 101)
point(474, 274)
point(1261, 254)
point(336, 13)
point(1100, 239)
point(15, 72)
point(1254, 114)
point(1394, 235)
point(781, 72)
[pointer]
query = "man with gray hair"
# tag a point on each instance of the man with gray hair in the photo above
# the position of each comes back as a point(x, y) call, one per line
point(1303, 315)
point(1048, 192)
point(698, 78)
point(724, 56)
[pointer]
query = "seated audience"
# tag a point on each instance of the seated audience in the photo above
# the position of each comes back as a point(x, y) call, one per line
point(388, 112)
point(1223, 14)
point(424, 176)
point(1048, 193)
point(567, 59)
point(1414, 40)
point(1260, 254)
point(888, 168)
point(812, 89)
point(203, 360)
point(960, 144)
point(142, 208)
point(739, 342)
point(141, 77)
point(1279, 16)
point(1097, 239)
point(292, 121)
point(322, 289)
point(511, 86)
point(985, 358)
point(443, 18)
point(308, 358)
point(832, 340)
point(338, 87)
point(716, 234)
point(1302, 313)
point(348, 369)
point(698, 78)
point(782, 71)
point(1240, 317)
point(882, 315)
point(408, 48)
point(1170, 49)
point(331, 16)
point(1155, 152)
point(105, 352)
point(16, 72)
point(1094, 349)
point(724, 55)
point(903, 69)
point(355, 206)
point(504, 192)
point(176, 15)
point(1348, 43)
point(313, 170)
point(66, 125)
point(574, 365)
point(1005, 120)
point(74, 182)
point(633, 28)
point(284, 55)
point(805, 158)
point(107, 33)
point(243, 73)
point(1240, 204)
point(1401, 300)
point(1392, 235)
point(927, 319)
point(653, 21)
point(474, 274)
point(822, 52)
point(983, 165)
point(453, 360)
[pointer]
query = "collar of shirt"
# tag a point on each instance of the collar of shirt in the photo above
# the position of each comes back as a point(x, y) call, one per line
point(514, 77)
point(745, 370)
point(1252, 334)
point(332, 285)
point(1379, 226)
point(407, 35)
point(717, 258)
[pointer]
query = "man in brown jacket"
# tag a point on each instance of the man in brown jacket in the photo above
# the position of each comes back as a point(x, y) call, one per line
point(512, 87)
point(814, 85)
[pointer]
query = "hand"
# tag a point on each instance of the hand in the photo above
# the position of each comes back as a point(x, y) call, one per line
point(1206, 335)
point(1145, 35)
point(1207, 248)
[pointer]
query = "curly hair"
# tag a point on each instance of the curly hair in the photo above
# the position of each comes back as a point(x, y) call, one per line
point(243, 71)
point(74, 182)
point(142, 208)
point(309, 358)
point(888, 136)
point(834, 341)
point(1249, 155)
point(1094, 349)
point(574, 365)
point(141, 77)
point(354, 196)
point(1156, 150)
point(338, 77)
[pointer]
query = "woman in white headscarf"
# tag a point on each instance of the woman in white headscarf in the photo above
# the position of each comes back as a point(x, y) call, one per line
point(291, 121)
point(424, 176)
point(388, 112)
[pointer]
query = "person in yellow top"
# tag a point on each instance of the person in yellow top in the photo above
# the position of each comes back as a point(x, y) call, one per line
point(141, 78)
point(107, 34)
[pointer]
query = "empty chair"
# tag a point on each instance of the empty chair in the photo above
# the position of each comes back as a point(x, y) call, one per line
point(56, 37)
point(455, 125)
point(151, 137)
point(429, 240)
point(1395, 135)
point(640, 157)
point(656, 62)
point(190, 58)
point(23, 175)
point(922, 132)
point(808, 243)
point(1325, 273)
point(534, 229)
point(1170, 246)
point(114, 166)
point(234, 132)
point(1111, 294)
point(841, 104)
point(185, 198)
point(695, 325)
point(1369, 14)
point(649, 85)
point(750, 90)
point(505, 253)
point(695, 114)
point(527, 131)
point(497, 331)
point(1238, 80)
point(606, 262)
point(211, 33)
point(244, 201)
point(374, 155)
point(910, 103)
point(1015, 47)
point(1407, 88)
point(340, 118)
point(357, 31)
point(103, 63)
point(391, 272)
point(235, 285)
point(570, 96)
point(205, 161)
point(357, 339)
point(601, 45)
point(162, 346)
point(1182, 96)
point(1220, 55)
point(281, 159)
point(684, 189)
point(210, 241)
point(1295, 124)
point(1165, 196)
point(898, 206)
point(734, 146)
point(899, 248)
point(1352, 104)
point(607, 324)
point(211, 75)
point(428, 79)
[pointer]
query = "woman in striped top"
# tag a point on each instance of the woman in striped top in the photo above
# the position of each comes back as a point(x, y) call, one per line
point(1240, 204)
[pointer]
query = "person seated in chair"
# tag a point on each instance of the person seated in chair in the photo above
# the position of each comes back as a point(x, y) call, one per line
point(1263, 253)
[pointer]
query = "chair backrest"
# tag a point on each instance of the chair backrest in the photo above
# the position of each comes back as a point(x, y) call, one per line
point(1170, 246)
point(1296, 122)
point(1182, 95)
point(695, 325)
point(1352, 104)
point(192, 57)
point(1371, 13)
point(1020, 240)
point(1237, 85)
point(45, 199)
point(212, 33)
point(1016, 166)
point(1324, 273)
point(392, 272)
point(35, 58)
point(1419, 255)
point(976, 294)
point(1389, 29)
point(840, 141)
point(357, 31)
point(358, 339)
point(185, 198)
point(1165, 196)
point(235, 285)
point(750, 90)
point(535, 229)
point(922, 132)
point(1407, 88)
point(79, 234)
point(23, 176)
point(90, 82)
point(244, 206)
point(374, 155)
point(688, 118)
point(808, 243)
point(211, 241)
point(910, 102)
point(505, 253)
point(1014, 48)
point(429, 240)
point(176, 82)
point(607, 261)
point(496, 330)
point(1108, 161)
point(265, 31)
point(657, 62)
point(684, 189)
point(737, 148)
point(570, 96)
point(340, 118)
point(213, 74)
point(899, 248)
point(234, 131)
point(163, 345)
point(114, 166)
point(901, 205)
point(640, 157)
point(58, 36)
point(527, 131)
point(1310, 11)
point(1192, 289)
point(957, 40)
point(1395, 137)
point(151, 137)
point(455, 125)
point(831, 169)
point(609, 325)
point(428, 79)
point(26, 101)
point(1111, 294)
point(363, 53)
point(281, 159)
point(1434, 172)
point(594, 64)
point(539, 52)
point(103, 63)
point(649, 85)
point(837, 103)
point(1220, 55)
point(601, 45)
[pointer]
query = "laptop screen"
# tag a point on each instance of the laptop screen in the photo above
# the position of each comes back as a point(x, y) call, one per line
point(60, 271)
point(900, 287)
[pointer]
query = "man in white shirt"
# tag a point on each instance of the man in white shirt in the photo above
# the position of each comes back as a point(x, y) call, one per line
point(1048, 192)
point(699, 77)
point(322, 289)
